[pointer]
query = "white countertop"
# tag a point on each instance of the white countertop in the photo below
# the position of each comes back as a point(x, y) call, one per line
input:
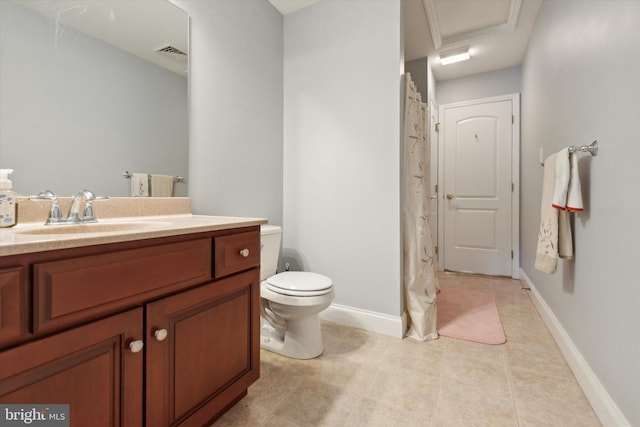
point(36, 237)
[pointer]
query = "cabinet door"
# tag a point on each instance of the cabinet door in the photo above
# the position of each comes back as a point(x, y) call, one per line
point(13, 304)
point(210, 354)
point(90, 368)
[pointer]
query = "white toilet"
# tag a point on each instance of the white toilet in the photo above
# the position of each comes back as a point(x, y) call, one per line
point(289, 303)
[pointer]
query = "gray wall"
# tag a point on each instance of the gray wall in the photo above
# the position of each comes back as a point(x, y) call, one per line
point(580, 81)
point(342, 148)
point(484, 85)
point(76, 112)
point(340, 155)
point(418, 70)
point(236, 92)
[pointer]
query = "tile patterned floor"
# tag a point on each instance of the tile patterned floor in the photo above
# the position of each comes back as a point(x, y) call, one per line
point(366, 379)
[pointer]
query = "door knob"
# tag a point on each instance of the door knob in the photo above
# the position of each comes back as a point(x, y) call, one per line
point(160, 334)
point(136, 346)
point(450, 196)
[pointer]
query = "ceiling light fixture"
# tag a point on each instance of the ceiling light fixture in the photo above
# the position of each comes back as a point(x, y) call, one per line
point(454, 56)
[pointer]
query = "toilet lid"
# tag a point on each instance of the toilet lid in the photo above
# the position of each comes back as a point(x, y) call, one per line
point(299, 282)
point(290, 293)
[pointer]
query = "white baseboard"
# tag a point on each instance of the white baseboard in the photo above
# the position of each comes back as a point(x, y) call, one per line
point(606, 409)
point(393, 326)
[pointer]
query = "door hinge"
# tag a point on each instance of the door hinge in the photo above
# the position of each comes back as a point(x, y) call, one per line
point(511, 254)
point(437, 126)
point(513, 187)
point(436, 188)
point(436, 248)
point(513, 119)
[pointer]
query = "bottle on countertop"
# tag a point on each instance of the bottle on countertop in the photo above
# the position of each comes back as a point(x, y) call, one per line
point(8, 206)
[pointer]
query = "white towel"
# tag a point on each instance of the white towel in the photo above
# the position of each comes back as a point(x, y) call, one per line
point(547, 250)
point(139, 185)
point(161, 186)
point(568, 193)
point(554, 238)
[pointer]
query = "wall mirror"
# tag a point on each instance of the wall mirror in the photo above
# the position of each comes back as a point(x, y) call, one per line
point(90, 89)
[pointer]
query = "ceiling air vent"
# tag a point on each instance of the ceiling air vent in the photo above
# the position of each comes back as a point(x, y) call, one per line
point(173, 53)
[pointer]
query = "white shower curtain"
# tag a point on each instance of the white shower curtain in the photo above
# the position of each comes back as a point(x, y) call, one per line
point(420, 280)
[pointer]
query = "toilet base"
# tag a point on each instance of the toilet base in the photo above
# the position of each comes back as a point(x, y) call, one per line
point(302, 338)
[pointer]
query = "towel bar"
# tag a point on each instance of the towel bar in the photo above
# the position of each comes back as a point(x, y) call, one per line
point(176, 178)
point(591, 149)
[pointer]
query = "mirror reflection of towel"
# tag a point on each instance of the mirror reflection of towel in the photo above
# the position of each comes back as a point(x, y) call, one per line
point(139, 185)
point(161, 186)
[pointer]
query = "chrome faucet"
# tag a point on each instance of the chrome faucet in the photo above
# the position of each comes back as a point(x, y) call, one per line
point(74, 210)
point(73, 217)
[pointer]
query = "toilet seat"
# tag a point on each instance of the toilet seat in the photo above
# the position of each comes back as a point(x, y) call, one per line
point(299, 283)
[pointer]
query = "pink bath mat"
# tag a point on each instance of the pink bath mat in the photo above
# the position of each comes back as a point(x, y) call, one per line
point(469, 315)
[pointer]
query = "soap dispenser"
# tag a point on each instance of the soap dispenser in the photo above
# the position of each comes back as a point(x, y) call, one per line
point(8, 207)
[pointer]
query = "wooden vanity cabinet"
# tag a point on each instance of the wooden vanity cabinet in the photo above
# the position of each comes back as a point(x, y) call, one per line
point(199, 328)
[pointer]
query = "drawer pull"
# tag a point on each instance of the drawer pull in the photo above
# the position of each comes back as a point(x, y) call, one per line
point(136, 346)
point(160, 334)
point(244, 252)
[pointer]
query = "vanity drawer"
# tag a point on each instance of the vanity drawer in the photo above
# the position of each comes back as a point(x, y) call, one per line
point(236, 252)
point(72, 290)
point(13, 308)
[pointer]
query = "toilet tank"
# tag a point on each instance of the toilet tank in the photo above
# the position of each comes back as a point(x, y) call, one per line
point(270, 236)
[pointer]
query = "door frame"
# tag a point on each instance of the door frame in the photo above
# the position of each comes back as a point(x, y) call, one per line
point(515, 176)
point(433, 173)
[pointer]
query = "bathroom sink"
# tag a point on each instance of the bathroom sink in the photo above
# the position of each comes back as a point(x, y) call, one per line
point(96, 227)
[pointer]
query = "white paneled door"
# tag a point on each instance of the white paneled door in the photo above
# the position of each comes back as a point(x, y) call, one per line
point(478, 186)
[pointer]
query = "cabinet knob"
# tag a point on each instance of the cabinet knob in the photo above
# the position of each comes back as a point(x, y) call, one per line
point(244, 252)
point(136, 346)
point(160, 334)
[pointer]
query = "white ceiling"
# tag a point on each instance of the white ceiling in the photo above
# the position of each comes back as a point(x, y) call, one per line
point(139, 27)
point(496, 31)
point(290, 6)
